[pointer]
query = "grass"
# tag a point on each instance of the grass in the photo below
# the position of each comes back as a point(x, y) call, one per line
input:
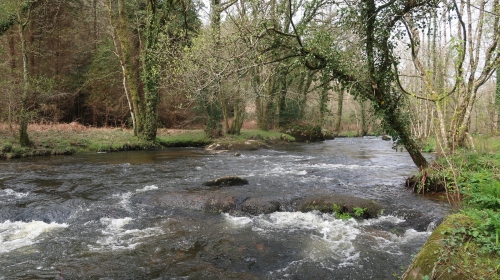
point(266, 136)
point(182, 138)
point(469, 246)
point(348, 133)
point(429, 146)
point(66, 139)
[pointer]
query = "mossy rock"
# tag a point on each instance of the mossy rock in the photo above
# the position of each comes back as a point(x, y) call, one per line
point(340, 204)
point(259, 205)
point(305, 132)
point(426, 265)
point(327, 134)
point(17, 152)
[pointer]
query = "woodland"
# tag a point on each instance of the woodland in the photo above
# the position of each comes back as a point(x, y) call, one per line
point(411, 69)
point(421, 71)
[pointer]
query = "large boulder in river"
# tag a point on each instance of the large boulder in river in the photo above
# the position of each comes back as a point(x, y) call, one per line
point(259, 205)
point(226, 181)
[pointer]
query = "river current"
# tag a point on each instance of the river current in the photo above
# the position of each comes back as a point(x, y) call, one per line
point(90, 217)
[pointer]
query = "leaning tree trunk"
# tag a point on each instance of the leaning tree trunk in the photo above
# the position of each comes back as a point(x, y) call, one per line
point(379, 66)
point(404, 134)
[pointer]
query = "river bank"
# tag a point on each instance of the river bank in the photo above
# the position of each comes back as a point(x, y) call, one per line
point(73, 138)
point(466, 245)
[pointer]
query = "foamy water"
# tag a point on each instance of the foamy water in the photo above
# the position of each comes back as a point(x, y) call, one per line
point(9, 193)
point(117, 237)
point(147, 188)
point(325, 237)
point(15, 235)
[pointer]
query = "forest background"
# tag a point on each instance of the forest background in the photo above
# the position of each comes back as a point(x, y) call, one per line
point(407, 68)
point(416, 70)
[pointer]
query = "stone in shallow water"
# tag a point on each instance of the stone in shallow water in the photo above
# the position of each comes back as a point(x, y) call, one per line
point(226, 181)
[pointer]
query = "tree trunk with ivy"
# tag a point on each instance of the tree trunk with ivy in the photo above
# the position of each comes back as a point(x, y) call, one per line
point(363, 128)
point(323, 100)
point(23, 21)
point(385, 99)
point(340, 105)
point(497, 100)
point(151, 71)
point(239, 114)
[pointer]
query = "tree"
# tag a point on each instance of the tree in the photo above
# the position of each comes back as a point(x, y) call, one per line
point(159, 25)
point(23, 14)
point(474, 63)
point(497, 97)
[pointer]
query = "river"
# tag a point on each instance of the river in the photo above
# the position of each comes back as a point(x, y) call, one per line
point(91, 215)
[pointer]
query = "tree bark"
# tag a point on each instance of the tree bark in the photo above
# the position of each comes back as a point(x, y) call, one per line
point(23, 122)
point(340, 105)
point(379, 64)
point(363, 131)
point(121, 26)
point(497, 99)
point(151, 72)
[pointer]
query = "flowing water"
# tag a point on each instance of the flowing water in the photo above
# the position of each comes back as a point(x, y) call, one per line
point(91, 216)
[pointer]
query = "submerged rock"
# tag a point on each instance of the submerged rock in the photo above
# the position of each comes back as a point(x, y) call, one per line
point(226, 181)
point(259, 205)
point(240, 202)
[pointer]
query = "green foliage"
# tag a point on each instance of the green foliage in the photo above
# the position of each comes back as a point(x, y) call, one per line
point(358, 211)
point(189, 139)
point(267, 136)
point(290, 113)
point(6, 147)
point(429, 145)
point(467, 250)
point(305, 131)
point(473, 247)
point(339, 214)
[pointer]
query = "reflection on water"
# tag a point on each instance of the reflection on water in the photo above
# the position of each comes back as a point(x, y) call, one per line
point(89, 215)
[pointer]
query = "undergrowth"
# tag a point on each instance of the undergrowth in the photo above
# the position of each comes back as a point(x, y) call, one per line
point(471, 182)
